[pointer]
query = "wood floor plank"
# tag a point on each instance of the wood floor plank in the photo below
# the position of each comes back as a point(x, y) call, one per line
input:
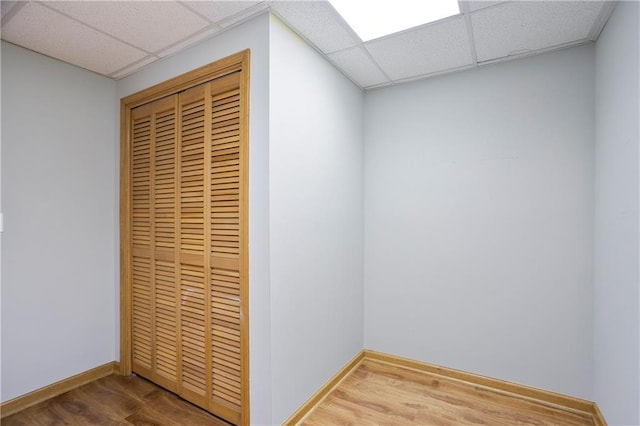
point(150, 417)
point(114, 401)
point(131, 385)
point(39, 415)
point(179, 410)
point(384, 394)
point(74, 409)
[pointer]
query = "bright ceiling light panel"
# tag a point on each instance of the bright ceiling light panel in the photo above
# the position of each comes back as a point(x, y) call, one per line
point(376, 18)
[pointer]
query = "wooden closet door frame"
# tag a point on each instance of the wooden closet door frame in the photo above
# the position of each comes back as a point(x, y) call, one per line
point(238, 62)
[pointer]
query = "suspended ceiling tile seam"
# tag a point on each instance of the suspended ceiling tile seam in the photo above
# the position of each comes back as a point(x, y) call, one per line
point(536, 52)
point(357, 63)
point(425, 50)
point(316, 21)
point(184, 4)
point(243, 15)
point(68, 40)
point(474, 6)
point(119, 74)
point(211, 12)
point(515, 27)
point(58, 59)
point(14, 8)
point(366, 52)
point(416, 28)
point(147, 25)
point(345, 26)
point(485, 63)
point(472, 41)
point(600, 22)
point(92, 27)
point(346, 75)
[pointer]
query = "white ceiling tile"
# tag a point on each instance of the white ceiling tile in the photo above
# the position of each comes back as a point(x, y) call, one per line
point(244, 15)
point(523, 26)
point(148, 25)
point(6, 6)
point(65, 39)
point(481, 4)
point(358, 65)
point(318, 22)
point(426, 50)
point(217, 11)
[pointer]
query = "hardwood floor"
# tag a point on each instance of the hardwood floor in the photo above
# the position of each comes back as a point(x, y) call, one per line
point(115, 400)
point(376, 393)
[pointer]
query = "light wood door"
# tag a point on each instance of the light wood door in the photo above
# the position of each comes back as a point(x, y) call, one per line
point(188, 241)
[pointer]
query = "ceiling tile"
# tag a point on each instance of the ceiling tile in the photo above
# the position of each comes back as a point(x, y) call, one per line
point(318, 22)
point(65, 39)
point(150, 25)
point(218, 11)
point(433, 48)
point(6, 6)
point(481, 4)
point(244, 15)
point(358, 65)
point(523, 26)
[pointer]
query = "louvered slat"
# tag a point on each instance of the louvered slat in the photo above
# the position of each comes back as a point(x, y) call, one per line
point(193, 329)
point(165, 185)
point(140, 179)
point(192, 178)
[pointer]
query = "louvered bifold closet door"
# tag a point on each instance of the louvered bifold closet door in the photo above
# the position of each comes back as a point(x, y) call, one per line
point(184, 225)
point(154, 200)
point(187, 192)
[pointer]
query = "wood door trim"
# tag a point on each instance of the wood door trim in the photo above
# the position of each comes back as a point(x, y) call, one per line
point(238, 62)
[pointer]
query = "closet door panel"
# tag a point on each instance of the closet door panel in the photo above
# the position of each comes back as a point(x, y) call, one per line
point(225, 244)
point(142, 326)
point(164, 125)
point(194, 322)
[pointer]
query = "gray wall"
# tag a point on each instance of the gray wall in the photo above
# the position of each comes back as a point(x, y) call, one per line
point(59, 242)
point(478, 220)
point(255, 36)
point(316, 232)
point(617, 322)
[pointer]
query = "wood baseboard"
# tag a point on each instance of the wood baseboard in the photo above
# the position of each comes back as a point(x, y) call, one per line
point(557, 400)
point(27, 400)
point(324, 390)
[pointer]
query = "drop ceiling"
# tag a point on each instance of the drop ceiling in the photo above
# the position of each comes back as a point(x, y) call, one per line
point(117, 38)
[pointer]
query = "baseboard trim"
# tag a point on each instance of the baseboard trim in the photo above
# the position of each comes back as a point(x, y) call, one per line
point(39, 395)
point(557, 400)
point(315, 399)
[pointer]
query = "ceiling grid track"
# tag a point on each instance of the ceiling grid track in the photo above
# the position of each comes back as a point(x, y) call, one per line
point(116, 39)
